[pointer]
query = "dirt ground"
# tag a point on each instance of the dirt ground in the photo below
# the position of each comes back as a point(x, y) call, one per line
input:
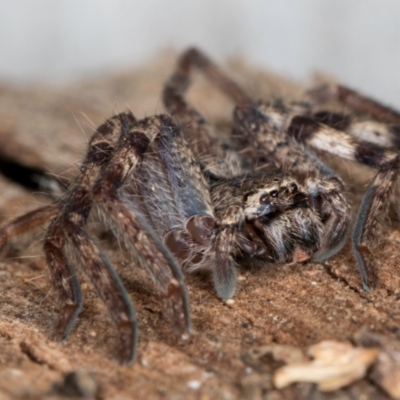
point(296, 305)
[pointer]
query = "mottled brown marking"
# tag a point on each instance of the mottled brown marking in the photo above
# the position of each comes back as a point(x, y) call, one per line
point(395, 136)
point(335, 120)
point(27, 222)
point(302, 128)
point(100, 152)
point(367, 105)
point(138, 141)
point(369, 154)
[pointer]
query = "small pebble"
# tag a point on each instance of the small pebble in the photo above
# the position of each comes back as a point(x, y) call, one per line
point(194, 385)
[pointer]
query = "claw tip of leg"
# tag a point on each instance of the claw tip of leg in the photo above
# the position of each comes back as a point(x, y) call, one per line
point(366, 287)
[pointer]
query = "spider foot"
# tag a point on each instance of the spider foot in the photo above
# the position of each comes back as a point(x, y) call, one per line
point(66, 322)
point(129, 334)
point(178, 311)
point(366, 267)
point(225, 281)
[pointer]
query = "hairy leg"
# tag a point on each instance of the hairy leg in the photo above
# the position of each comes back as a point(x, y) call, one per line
point(65, 230)
point(305, 129)
point(356, 101)
point(26, 222)
point(378, 192)
point(214, 153)
point(164, 270)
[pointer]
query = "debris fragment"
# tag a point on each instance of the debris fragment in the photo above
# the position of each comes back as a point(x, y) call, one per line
point(334, 365)
point(386, 373)
point(386, 370)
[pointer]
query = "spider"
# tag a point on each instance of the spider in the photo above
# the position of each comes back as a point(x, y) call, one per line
point(277, 135)
point(184, 197)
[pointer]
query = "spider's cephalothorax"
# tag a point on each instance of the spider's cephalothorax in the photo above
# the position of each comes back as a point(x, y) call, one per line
point(265, 217)
point(323, 189)
point(187, 197)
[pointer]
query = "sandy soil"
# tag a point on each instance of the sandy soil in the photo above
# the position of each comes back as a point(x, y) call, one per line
point(296, 305)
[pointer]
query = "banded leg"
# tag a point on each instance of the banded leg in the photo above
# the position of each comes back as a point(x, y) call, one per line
point(66, 282)
point(26, 222)
point(378, 192)
point(181, 79)
point(110, 289)
point(383, 129)
point(67, 226)
point(224, 272)
point(139, 236)
point(380, 133)
point(200, 134)
point(356, 101)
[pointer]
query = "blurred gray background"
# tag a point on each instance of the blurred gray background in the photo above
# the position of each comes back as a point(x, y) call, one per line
point(358, 41)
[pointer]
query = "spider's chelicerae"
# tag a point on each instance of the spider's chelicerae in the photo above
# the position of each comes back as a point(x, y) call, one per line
point(181, 196)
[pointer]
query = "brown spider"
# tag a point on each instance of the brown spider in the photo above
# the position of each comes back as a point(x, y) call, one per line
point(188, 198)
point(281, 135)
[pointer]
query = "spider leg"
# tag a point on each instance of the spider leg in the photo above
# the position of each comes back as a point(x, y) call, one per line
point(383, 129)
point(106, 281)
point(356, 101)
point(383, 134)
point(379, 190)
point(67, 229)
point(26, 222)
point(181, 79)
point(110, 288)
point(154, 255)
point(65, 281)
point(208, 146)
point(224, 272)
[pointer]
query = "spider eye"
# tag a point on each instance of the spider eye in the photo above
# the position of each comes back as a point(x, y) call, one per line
point(293, 186)
point(273, 193)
